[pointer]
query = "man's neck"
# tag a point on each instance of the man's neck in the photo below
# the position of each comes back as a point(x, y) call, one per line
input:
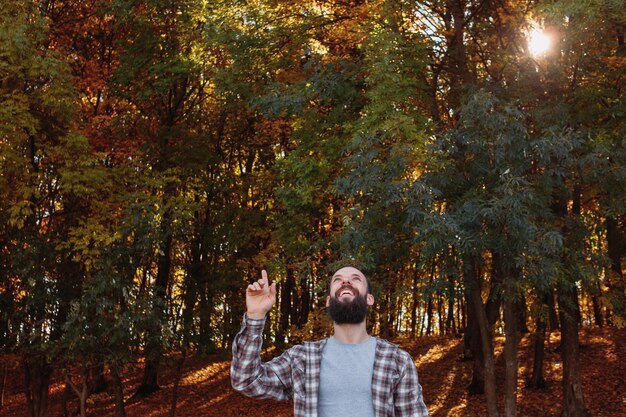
point(351, 333)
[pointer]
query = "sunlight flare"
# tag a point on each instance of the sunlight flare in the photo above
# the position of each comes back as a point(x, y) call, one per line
point(538, 42)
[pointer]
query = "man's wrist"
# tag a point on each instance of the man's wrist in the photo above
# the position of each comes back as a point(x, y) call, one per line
point(256, 316)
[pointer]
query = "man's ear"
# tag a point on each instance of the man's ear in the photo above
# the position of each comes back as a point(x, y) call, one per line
point(327, 300)
point(370, 300)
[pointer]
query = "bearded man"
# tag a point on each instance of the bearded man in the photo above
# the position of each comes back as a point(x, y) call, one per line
point(350, 374)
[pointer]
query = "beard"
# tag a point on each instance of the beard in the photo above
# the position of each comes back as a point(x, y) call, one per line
point(348, 312)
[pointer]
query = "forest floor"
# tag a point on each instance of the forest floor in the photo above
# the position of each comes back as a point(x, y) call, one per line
point(205, 385)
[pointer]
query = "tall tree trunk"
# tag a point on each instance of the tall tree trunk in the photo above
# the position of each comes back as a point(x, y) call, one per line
point(385, 330)
point(429, 315)
point(573, 402)
point(598, 319)
point(537, 379)
point(190, 297)
point(99, 383)
point(473, 276)
point(305, 300)
point(179, 371)
point(520, 309)
point(82, 391)
point(286, 293)
point(616, 247)
point(463, 313)
point(441, 324)
point(510, 346)
point(386, 307)
point(392, 313)
point(450, 324)
point(37, 373)
point(473, 348)
point(569, 313)
point(149, 382)
point(414, 302)
point(429, 308)
point(492, 313)
point(118, 390)
point(5, 371)
point(494, 301)
point(199, 271)
point(398, 323)
point(205, 315)
point(552, 315)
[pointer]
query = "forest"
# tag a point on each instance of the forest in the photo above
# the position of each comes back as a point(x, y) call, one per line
point(155, 155)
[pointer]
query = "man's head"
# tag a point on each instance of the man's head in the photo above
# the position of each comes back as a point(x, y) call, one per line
point(349, 296)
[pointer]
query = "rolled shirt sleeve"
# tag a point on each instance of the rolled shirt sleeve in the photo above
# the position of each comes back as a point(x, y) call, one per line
point(408, 400)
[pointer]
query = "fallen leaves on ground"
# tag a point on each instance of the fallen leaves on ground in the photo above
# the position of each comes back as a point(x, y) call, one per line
point(205, 385)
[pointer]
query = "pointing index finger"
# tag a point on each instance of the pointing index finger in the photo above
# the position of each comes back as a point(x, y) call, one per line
point(264, 279)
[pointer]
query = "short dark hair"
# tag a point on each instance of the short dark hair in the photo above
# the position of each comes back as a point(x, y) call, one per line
point(369, 282)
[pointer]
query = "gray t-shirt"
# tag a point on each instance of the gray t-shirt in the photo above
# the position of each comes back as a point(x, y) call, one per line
point(346, 379)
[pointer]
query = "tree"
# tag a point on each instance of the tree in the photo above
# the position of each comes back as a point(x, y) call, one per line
point(36, 131)
point(384, 156)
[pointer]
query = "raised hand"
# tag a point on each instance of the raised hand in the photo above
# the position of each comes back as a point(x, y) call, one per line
point(260, 297)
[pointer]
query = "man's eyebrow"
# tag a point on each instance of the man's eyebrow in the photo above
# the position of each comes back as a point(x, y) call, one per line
point(353, 275)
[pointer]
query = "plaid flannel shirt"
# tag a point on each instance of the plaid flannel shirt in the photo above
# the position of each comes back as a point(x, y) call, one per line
point(296, 375)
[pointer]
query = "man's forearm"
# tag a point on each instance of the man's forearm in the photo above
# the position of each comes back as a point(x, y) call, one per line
point(409, 401)
point(246, 353)
point(249, 375)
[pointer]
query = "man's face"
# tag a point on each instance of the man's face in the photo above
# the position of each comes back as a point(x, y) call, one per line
point(349, 296)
